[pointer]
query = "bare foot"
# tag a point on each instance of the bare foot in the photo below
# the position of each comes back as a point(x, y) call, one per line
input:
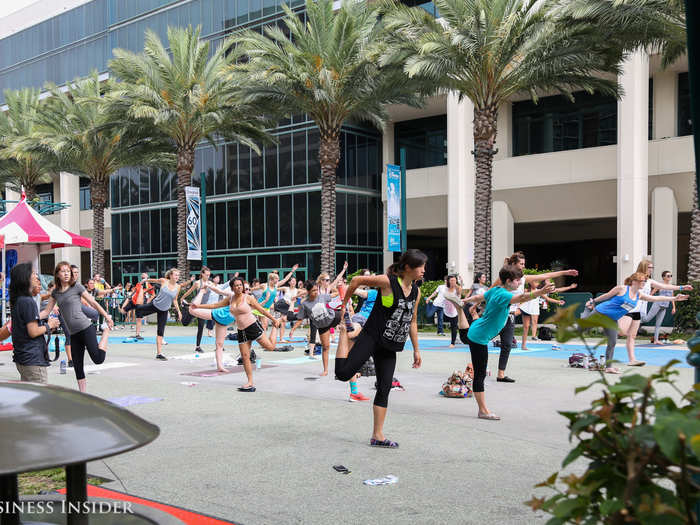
point(451, 346)
point(524, 348)
point(324, 373)
point(102, 345)
point(222, 369)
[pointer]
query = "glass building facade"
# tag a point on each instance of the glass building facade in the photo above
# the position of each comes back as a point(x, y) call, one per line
point(263, 210)
point(557, 124)
point(425, 142)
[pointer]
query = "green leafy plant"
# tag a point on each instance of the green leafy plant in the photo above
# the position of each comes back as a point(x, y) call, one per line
point(687, 310)
point(642, 448)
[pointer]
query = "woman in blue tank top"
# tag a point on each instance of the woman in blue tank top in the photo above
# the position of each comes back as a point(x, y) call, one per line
point(617, 303)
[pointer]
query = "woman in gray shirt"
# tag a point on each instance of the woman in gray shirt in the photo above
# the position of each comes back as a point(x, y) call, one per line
point(83, 334)
point(166, 297)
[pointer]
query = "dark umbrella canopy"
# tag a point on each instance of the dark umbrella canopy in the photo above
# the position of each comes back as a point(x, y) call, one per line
point(43, 426)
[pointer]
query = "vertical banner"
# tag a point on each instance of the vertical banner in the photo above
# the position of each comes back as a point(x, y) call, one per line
point(393, 201)
point(194, 231)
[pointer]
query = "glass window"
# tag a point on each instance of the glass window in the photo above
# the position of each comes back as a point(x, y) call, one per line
point(154, 185)
point(372, 237)
point(85, 200)
point(425, 141)
point(144, 185)
point(211, 225)
point(155, 231)
point(125, 233)
point(244, 223)
point(340, 170)
point(299, 157)
point(362, 161)
point(242, 10)
point(341, 227)
point(285, 160)
point(313, 162)
point(271, 166)
point(243, 168)
point(232, 172)
point(352, 219)
point(145, 233)
point(556, 124)
point(299, 216)
point(173, 230)
point(350, 160)
point(685, 123)
point(257, 175)
point(166, 226)
point(114, 189)
point(232, 224)
point(221, 226)
point(133, 186)
point(220, 166)
point(314, 217)
point(259, 222)
point(362, 220)
point(271, 222)
point(374, 163)
point(285, 220)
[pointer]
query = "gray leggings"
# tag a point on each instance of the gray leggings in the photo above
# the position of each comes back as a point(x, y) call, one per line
point(656, 312)
point(611, 334)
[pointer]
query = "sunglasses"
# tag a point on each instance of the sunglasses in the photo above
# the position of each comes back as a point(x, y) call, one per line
point(328, 280)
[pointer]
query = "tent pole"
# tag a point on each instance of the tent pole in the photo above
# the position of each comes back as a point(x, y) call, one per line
point(4, 300)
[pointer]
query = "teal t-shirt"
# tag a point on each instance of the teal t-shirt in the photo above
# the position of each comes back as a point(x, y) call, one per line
point(494, 318)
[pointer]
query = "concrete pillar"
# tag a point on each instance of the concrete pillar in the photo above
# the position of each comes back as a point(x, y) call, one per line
point(502, 236)
point(387, 158)
point(664, 231)
point(632, 165)
point(69, 218)
point(460, 187)
point(665, 105)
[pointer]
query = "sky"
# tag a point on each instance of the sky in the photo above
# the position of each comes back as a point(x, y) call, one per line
point(10, 6)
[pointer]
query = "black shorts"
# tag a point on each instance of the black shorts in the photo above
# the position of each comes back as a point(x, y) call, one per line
point(636, 316)
point(334, 323)
point(250, 333)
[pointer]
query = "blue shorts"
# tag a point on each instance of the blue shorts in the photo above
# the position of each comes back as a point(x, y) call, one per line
point(223, 316)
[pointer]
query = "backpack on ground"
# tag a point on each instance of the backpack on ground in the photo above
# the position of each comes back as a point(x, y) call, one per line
point(459, 384)
point(252, 358)
point(544, 333)
point(233, 336)
point(322, 316)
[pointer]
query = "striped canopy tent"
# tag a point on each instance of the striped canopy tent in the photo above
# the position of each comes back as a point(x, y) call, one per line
point(26, 229)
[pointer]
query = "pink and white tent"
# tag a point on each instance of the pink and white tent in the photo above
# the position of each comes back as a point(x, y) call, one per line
point(24, 225)
point(25, 228)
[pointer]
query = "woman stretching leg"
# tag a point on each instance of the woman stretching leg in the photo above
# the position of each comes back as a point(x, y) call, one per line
point(69, 294)
point(222, 317)
point(392, 320)
point(241, 307)
point(161, 304)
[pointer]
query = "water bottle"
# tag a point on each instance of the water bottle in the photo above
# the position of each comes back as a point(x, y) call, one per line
point(63, 366)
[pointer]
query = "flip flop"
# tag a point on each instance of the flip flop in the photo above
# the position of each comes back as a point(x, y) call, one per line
point(246, 389)
point(490, 416)
point(383, 444)
point(636, 363)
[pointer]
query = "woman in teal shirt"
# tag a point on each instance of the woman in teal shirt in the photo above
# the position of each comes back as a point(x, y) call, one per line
point(498, 300)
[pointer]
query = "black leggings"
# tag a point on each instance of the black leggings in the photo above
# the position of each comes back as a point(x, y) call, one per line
point(506, 343)
point(480, 360)
point(454, 324)
point(200, 330)
point(384, 362)
point(312, 333)
point(143, 310)
point(85, 339)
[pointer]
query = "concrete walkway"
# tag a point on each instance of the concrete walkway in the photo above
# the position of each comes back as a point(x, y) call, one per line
point(267, 457)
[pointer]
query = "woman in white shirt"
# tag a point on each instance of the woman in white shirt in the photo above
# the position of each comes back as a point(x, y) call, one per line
point(439, 305)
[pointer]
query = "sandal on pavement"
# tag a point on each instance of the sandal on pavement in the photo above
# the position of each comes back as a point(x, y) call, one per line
point(490, 416)
point(246, 389)
point(612, 370)
point(383, 443)
point(636, 363)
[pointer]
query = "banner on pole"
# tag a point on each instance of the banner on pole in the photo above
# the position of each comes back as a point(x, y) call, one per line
point(194, 231)
point(393, 201)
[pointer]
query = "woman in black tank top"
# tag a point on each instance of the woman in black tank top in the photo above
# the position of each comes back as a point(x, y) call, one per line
point(391, 322)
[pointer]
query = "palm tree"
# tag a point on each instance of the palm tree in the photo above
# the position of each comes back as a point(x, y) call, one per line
point(74, 126)
point(327, 68)
point(488, 51)
point(187, 96)
point(20, 168)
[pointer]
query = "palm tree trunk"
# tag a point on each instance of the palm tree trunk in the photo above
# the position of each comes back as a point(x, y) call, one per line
point(329, 155)
point(98, 198)
point(485, 129)
point(694, 248)
point(185, 164)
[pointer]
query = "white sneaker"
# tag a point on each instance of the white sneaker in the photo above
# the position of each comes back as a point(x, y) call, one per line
point(165, 342)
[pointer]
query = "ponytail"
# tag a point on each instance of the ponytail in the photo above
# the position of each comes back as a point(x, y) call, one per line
point(410, 258)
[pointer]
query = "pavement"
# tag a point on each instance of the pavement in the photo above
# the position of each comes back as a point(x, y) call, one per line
point(267, 457)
